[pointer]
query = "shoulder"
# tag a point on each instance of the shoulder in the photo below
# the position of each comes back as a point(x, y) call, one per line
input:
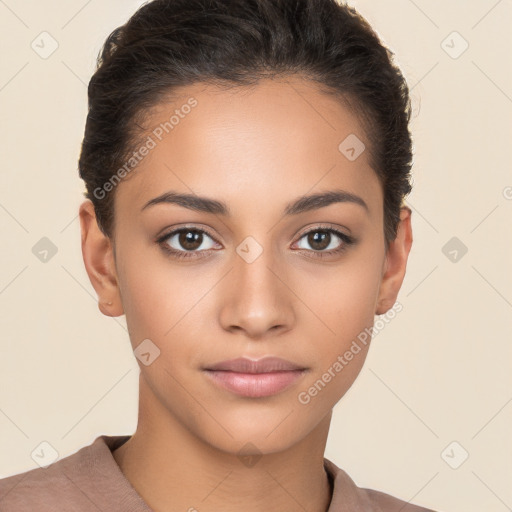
point(36, 487)
point(347, 494)
point(387, 503)
point(41, 488)
point(76, 479)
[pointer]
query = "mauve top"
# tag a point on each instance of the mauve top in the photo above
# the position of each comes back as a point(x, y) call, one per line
point(90, 480)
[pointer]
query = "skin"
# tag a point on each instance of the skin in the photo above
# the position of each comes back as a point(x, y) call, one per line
point(256, 149)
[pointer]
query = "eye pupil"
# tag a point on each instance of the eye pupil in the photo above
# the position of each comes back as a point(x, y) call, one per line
point(188, 239)
point(322, 238)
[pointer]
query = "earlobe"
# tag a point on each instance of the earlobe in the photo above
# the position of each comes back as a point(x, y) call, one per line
point(395, 263)
point(99, 261)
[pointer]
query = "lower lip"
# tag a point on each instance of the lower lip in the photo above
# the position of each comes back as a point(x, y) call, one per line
point(255, 384)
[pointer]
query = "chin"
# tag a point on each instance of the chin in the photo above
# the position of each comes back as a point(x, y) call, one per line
point(258, 432)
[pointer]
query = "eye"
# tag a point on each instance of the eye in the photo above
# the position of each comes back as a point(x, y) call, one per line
point(325, 241)
point(186, 242)
point(192, 242)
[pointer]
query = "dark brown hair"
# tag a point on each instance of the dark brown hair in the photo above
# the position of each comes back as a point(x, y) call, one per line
point(172, 43)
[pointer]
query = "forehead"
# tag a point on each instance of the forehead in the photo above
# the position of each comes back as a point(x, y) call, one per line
point(272, 139)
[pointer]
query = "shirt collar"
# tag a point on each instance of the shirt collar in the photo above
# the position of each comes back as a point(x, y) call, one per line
point(98, 468)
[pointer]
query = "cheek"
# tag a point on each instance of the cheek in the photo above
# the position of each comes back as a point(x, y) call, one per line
point(146, 293)
point(345, 303)
point(348, 310)
point(165, 303)
point(345, 299)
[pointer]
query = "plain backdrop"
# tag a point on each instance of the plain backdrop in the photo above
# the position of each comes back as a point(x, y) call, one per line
point(429, 418)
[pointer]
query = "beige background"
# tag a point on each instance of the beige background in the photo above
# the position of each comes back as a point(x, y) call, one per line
point(438, 373)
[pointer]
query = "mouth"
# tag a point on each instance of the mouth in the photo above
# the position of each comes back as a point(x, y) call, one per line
point(246, 377)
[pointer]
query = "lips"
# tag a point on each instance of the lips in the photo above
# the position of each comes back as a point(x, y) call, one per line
point(250, 378)
point(264, 365)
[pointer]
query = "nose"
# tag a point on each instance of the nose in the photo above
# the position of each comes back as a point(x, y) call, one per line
point(255, 298)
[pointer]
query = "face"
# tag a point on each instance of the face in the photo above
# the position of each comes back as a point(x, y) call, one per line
point(253, 272)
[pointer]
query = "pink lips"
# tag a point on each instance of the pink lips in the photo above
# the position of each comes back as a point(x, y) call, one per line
point(247, 377)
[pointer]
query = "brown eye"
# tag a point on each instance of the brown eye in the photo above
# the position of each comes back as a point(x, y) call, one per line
point(190, 240)
point(319, 240)
point(187, 240)
point(324, 242)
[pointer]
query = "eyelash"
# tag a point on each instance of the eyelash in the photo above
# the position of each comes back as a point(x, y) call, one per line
point(346, 239)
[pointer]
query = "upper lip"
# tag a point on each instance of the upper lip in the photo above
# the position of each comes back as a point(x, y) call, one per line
point(263, 365)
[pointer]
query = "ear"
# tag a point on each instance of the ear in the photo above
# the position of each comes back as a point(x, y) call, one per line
point(395, 263)
point(98, 256)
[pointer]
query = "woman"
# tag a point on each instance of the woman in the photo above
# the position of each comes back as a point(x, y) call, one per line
point(246, 164)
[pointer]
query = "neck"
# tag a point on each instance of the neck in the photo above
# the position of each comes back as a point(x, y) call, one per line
point(174, 470)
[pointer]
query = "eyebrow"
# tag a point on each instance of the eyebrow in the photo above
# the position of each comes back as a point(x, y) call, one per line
point(300, 205)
